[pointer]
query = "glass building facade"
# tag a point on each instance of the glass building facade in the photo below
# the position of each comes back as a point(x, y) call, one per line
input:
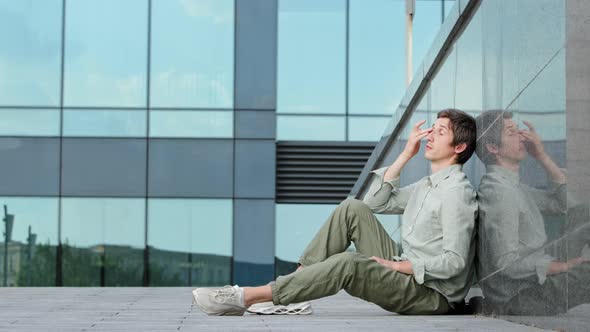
point(138, 137)
point(517, 66)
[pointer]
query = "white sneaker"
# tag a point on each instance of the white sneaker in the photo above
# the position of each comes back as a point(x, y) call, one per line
point(268, 308)
point(225, 301)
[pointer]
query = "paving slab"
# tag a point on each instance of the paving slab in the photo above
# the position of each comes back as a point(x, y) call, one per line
point(171, 309)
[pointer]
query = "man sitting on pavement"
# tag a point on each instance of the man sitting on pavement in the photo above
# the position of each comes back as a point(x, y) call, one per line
point(432, 272)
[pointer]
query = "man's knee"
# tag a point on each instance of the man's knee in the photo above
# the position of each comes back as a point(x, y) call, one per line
point(353, 205)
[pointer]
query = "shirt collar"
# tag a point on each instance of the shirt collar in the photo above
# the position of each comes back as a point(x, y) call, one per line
point(437, 177)
point(505, 173)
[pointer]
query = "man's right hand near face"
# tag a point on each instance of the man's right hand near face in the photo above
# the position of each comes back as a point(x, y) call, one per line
point(410, 150)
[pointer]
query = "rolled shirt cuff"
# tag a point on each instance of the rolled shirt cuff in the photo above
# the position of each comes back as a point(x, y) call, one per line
point(380, 172)
point(418, 267)
point(541, 267)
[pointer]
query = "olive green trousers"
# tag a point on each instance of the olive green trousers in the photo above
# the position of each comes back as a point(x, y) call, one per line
point(328, 268)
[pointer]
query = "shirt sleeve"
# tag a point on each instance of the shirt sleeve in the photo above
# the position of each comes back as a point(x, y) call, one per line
point(503, 248)
point(458, 214)
point(386, 197)
point(553, 200)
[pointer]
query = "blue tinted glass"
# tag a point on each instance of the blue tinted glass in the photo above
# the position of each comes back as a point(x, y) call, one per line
point(102, 233)
point(117, 123)
point(190, 240)
point(311, 56)
point(34, 238)
point(449, 4)
point(191, 124)
point(376, 56)
point(296, 225)
point(30, 56)
point(366, 128)
point(310, 128)
point(192, 53)
point(106, 53)
point(29, 122)
point(427, 22)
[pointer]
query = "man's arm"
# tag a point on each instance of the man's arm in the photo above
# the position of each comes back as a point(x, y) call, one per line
point(535, 148)
point(555, 199)
point(384, 195)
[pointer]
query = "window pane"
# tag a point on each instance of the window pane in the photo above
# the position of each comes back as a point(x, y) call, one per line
point(449, 4)
point(366, 128)
point(102, 233)
point(192, 53)
point(30, 166)
point(117, 123)
point(311, 56)
point(296, 225)
point(106, 53)
point(191, 168)
point(31, 252)
point(427, 21)
point(376, 56)
point(103, 167)
point(310, 128)
point(191, 124)
point(27, 122)
point(190, 240)
point(30, 56)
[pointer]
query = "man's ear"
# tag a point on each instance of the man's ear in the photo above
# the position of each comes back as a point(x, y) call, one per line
point(460, 148)
point(492, 148)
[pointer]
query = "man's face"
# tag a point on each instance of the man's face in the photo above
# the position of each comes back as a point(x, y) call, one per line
point(438, 145)
point(512, 147)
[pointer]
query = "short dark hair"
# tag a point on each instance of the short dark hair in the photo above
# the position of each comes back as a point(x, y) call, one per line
point(490, 125)
point(464, 131)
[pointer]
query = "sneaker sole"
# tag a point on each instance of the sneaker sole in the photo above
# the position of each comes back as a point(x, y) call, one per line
point(303, 308)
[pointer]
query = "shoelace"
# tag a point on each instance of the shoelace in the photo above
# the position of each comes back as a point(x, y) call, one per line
point(225, 294)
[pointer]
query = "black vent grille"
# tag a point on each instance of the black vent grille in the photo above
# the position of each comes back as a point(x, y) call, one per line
point(319, 172)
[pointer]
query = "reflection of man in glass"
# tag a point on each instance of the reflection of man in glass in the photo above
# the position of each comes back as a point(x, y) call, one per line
point(432, 273)
point(516, 274)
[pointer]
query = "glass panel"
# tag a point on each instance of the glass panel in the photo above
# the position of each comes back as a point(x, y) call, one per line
point(296, 225)
point(199, 72)
point(103, 167)
point(28, 122)
point(191, 168)
point(256, 43)
point(106, 53)
point(310, 128)
point(190, 242)
point(103, 236)
point(32, 249)
point(191, 124)
point(449, 4)
point(366, 128)
point(468, 68)
point(427, 21)
point(114, 123)
point(30, 56)
point(30, 166)
point(376, 56)
point(310, 81)
point(443, 87)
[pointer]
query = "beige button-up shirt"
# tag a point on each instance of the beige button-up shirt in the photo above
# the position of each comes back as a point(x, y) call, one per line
point(438, 220)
